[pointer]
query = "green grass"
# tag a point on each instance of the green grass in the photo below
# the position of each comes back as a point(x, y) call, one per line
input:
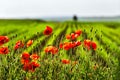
point(107, 55)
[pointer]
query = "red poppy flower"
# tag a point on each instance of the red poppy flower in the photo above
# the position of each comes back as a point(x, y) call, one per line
point(30, 66)
point(76, 35)
point(34, 56)
point(47, 31)
point(4, 50)
point(25, 61)
point(29, 43)
point(54, 51)
point(73, 36)
point(67, 45)
point(48, 49)
point(90, 44)
point(51, 49)
point(33, 66)
point(26, 56)
point(68, 36)
point(77, 43)
point(94, 45)
point(19, 44)
point(26, 67)
point(78, 32)
point(65, 61)
point(61, 45)
point(3, 39)
point(87, 44)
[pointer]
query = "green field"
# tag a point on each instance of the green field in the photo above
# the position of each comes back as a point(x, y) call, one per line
point(101, 64)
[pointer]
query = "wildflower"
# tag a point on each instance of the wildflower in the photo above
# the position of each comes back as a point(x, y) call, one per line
point(68, 36)
point(76, 36)
point(26, 67)
point(29, 43)
point(48, 49)
point(66, 61)
point(54, 51)
point(33, 66)
point(25, 56)
point(78, 32)
point(3, 40)
point(30, 66)
point(19, 44)
point(87, 44)
point(25, 61)
point(94, 46)
point(69, 45)
point(73, 36)
point(61, 45)
point(34, 56)
point(77, 43)
point(51, 49)
point(90, 44)
point(27, 64)
point(4, 50)
point(47, 31)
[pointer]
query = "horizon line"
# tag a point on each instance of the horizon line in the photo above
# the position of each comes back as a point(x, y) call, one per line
point(23, 17)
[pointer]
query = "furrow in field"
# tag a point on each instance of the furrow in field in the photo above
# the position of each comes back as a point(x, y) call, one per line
point(97, 56)
point(106, 44)
point(73, 27)
point(10, 32)
point(38, 34)
point(108, 32)
point(113, 38)
point(58, 39)
point(103, 51)
point(40, 42)
point(82, 53)
point(65, 54)
point(115, 34)
point(26, 35)
point(14, 35)
point(54, 38)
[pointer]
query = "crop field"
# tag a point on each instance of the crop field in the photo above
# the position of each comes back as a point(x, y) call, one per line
point(39, 50)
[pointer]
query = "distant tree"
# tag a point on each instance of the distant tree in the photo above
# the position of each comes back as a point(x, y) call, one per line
point(75, 18)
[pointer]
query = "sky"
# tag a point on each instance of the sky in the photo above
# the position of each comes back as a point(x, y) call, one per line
point(58, 8)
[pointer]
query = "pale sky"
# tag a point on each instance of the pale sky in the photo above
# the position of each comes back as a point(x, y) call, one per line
point(49, 8)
